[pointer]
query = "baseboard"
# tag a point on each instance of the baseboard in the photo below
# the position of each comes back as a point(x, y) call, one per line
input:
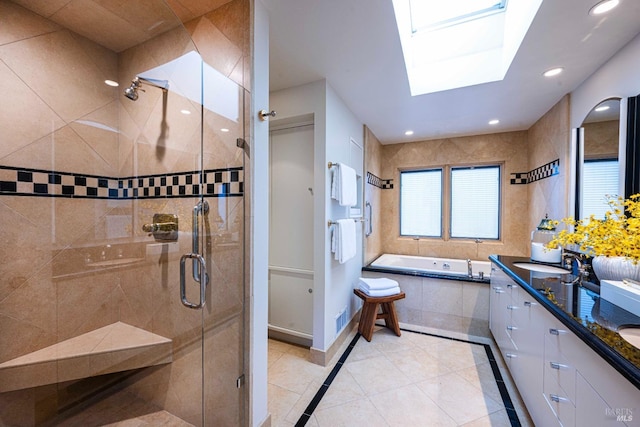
point(323, 358)
point(282, 335)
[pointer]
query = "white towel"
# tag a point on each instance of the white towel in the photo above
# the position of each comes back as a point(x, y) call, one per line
point(343, 240)
point(344, 187)
point(382, 292)
point(377, 284)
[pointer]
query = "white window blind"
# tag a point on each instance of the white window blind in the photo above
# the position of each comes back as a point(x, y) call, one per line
point(475, 202)
point(421, 203)
point(600, 178)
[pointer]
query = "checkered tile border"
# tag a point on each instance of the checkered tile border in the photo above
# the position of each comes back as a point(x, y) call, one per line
point(385, 184)
point(33, 182)
point(542, 172)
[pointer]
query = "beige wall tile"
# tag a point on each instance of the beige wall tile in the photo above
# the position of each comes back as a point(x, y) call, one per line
point(508, 149)
point(216, 49)
point(56, 234)
point(373, 194)
point(549, 139)
point(68, 71)
point(19, 24)
point(601, 139)
point(201, 7)
point(25, 117)
point(46, 9)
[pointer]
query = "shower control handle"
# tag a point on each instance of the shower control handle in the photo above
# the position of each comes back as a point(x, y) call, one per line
point(199, 260)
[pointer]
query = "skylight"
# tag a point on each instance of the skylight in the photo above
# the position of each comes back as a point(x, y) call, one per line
point(457, 43)
point(430, 14)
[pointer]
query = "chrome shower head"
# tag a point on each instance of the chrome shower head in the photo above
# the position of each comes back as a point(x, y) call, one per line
point(132, 91)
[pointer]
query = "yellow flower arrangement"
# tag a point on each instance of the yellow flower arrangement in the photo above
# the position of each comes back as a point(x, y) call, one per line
point(618, 234)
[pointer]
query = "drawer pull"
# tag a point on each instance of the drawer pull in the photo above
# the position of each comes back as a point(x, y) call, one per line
point(511, 328)
point(554, 331)
point(555, 365)
point(499, 291)
point(510, 286)
point(528, 304)
point(557, 398)
point(512, 307)
point(510, 356)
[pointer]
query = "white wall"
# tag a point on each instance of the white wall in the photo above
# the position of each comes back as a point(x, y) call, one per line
point(259, 193)
point(334, 127)
point(342, 127)
point(619, 77)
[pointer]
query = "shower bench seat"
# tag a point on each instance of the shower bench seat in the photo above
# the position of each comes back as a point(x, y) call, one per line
point(112, 348)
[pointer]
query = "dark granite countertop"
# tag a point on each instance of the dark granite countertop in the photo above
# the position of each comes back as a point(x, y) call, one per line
point(592, 319)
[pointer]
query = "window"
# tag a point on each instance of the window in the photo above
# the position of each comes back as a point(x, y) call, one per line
point(421, 203)
point(427, 14)
point(600, 179)
point(475, 202)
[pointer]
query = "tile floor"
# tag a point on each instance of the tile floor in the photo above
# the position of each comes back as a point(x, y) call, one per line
point(412, 380)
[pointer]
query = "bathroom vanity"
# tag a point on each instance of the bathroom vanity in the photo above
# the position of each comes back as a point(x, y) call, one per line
point(560, 344)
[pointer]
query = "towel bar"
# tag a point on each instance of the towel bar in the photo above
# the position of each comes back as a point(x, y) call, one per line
point(330, 223)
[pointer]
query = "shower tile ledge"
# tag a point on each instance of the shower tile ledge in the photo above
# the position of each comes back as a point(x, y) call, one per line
point(112, 348)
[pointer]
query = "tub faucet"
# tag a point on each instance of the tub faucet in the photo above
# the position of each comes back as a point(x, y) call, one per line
point(469, 268)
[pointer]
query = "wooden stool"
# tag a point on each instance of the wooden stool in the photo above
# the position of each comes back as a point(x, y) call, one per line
point(370, 313)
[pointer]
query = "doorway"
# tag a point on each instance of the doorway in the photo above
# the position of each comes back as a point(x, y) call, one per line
point(291, 267)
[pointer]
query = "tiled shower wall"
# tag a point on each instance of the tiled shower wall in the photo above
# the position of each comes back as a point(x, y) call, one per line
point(53, 97)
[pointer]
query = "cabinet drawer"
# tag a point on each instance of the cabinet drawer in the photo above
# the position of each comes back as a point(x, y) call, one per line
point(560, 335)
point(558, 368)
point(563, 408)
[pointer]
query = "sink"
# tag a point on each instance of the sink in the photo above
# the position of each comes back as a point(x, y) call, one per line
point(542, 268)
point(631, 335)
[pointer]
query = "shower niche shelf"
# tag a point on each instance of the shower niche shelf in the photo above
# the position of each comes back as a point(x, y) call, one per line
point(112, 348)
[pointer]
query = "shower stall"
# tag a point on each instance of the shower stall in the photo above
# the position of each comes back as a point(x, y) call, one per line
point(122, 204)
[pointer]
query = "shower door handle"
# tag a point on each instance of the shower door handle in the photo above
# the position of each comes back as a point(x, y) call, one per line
point(202, 208)
point(197, 260)
point(368, 219)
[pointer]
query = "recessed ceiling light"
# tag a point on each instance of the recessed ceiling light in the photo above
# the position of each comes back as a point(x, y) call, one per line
point(111, 83)
point(602, 108)
point(185, 112)
point(409, 133)
point(553, 72)
point(494, 122)
point(603, 7)
point(224, 130)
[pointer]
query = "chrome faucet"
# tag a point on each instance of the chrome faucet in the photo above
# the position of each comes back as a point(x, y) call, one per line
point(567, 261)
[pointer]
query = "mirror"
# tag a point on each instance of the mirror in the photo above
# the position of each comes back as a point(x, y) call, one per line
point(598, 169)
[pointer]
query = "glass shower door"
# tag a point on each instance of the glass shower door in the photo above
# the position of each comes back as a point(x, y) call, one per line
point(116, 132)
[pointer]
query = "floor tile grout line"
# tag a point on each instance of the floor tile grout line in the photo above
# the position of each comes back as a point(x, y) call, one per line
point(504, 393)
point(325, 385)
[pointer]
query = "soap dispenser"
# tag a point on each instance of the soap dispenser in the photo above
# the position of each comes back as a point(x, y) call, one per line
point(543, 234)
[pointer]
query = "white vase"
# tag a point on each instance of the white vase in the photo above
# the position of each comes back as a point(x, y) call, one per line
point(615, 268)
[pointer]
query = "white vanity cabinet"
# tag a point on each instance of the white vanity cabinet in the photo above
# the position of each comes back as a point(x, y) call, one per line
point(562, 381)
point(499, 299)
point(517, 326)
